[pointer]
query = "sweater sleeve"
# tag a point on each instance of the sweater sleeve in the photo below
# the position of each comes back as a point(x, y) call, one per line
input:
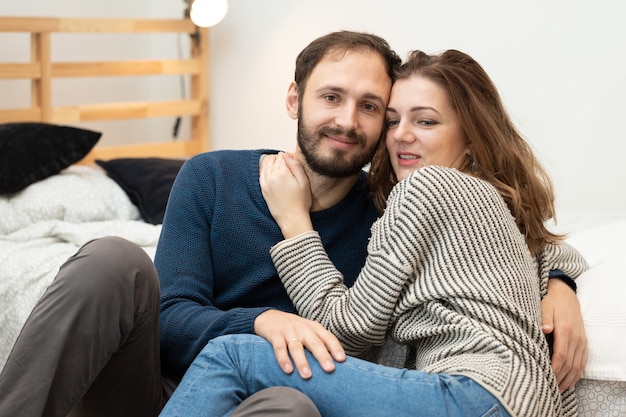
point(184, 260)
point(438, 223)
point(560, 257)
point(361, 315)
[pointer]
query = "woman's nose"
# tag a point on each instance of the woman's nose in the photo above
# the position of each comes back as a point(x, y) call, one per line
point(403, 133)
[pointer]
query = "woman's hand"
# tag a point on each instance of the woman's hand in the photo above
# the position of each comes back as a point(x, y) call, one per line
point(286, 190)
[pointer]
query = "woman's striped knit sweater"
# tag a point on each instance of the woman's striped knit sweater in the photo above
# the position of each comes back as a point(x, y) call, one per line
point(448, 272)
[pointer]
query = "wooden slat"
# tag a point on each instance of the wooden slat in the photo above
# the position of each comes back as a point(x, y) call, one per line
point(122, 68)
point(106, 111)
point(16, 71)
point(27, 24)
point(125, 110)
point(101, 69)
point(90, 25)
point(41, 88)
point(171, 149)
point(20, 115)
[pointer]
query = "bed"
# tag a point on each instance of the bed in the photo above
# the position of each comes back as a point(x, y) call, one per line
point(61, 185)
point(600, 238)
point(86, 190)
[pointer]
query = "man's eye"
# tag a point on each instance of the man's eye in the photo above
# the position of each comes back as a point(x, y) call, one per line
point(330, 97)
point(369, 107)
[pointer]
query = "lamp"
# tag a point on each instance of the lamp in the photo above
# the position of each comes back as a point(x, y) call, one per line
point(206, 13)
point(203, 13)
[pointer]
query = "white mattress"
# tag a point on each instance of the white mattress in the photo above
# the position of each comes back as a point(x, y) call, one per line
point(601, 239)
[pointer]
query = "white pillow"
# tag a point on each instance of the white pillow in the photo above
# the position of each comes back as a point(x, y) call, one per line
point(78, 194)
point(601, 292)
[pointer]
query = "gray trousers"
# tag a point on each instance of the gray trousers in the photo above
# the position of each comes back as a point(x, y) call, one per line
point(91, 345)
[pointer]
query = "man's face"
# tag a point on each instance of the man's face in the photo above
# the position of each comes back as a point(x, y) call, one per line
point(341, 115)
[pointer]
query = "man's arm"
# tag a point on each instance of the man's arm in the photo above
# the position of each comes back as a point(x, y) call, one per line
point(190, 316)
point(562, 319)
point(289, 334)
point(561, 316)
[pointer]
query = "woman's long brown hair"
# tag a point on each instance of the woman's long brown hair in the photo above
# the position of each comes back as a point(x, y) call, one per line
point(498, 153)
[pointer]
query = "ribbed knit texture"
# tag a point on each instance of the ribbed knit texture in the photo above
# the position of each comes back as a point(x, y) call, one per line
point(449, 272)
point(213, 255)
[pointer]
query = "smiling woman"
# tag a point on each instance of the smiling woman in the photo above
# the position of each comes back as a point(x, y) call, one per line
point(427, 132)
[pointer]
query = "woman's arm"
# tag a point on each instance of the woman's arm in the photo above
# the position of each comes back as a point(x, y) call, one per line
point(358, 316)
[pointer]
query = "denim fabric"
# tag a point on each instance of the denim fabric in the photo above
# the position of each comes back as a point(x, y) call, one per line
point(231, 368)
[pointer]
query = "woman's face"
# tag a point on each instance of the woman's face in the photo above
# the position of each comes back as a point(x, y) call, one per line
point(422, 127)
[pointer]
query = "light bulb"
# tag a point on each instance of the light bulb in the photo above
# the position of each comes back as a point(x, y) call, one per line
point(206, 13)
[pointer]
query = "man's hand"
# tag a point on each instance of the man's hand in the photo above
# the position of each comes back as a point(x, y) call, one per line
point(561, 316)
point(289, 334)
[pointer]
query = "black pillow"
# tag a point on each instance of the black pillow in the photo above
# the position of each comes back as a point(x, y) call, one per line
point(147, 181)
point(32, 151)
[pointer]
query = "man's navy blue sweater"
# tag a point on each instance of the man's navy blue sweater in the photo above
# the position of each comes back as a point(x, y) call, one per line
point(213, 255)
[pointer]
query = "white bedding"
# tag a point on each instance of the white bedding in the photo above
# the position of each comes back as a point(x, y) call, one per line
point(602, 241)
point(45, 224)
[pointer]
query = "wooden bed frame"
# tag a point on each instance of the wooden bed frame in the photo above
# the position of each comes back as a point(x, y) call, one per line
point(41, 70)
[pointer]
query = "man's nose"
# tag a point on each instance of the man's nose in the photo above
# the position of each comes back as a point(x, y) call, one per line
point(348, 117)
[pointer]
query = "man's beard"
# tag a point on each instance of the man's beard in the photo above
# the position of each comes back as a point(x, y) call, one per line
point(339, 164)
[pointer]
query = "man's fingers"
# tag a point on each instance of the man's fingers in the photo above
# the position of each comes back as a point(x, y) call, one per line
point(296, 350)
point(290, 334)
point(547, 318)
point(574, 373)
point(282, 357)
point(321, 354)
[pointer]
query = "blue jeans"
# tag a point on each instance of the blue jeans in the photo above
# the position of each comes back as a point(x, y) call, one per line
point(231, 368)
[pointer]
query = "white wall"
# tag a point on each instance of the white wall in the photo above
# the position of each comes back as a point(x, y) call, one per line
point(560, 66)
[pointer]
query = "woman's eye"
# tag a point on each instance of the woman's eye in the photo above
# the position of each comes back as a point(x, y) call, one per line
point(392, 123)
point(426, 123)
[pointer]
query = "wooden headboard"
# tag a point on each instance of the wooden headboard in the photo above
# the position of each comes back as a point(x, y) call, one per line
point(41, 70)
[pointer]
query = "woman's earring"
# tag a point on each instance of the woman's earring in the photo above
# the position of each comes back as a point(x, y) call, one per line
point(473, 164)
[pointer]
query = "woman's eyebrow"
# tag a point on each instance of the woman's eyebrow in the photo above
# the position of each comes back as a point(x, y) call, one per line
point(414, 109)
